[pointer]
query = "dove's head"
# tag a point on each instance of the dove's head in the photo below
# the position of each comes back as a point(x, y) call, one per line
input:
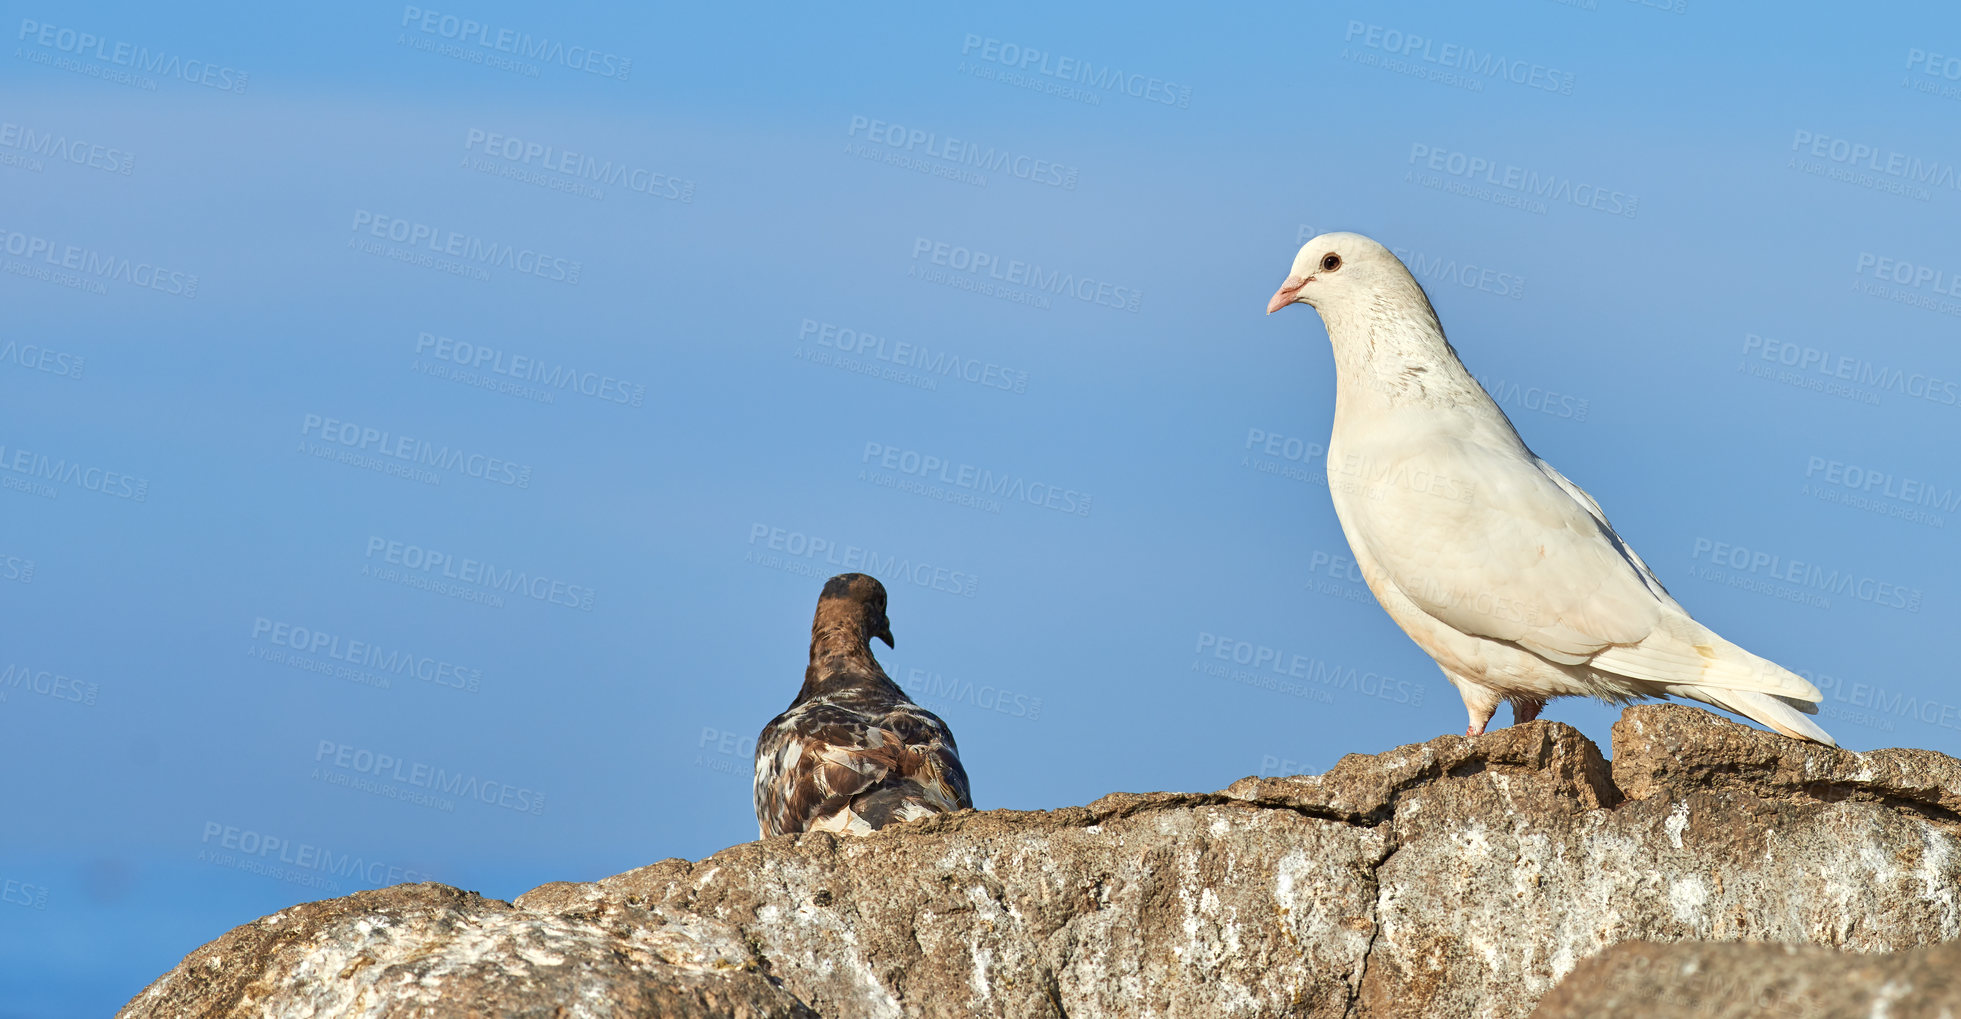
point(856, 599)
point(1337, 272)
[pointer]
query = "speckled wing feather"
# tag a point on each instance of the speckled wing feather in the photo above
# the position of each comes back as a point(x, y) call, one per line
point(828, 765)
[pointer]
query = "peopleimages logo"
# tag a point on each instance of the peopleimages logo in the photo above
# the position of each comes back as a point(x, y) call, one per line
point(1876, 703)
point(24, 894)
point(814, 556)
point(993, 159)
point(99, 264)
point(1917, 275)
point(1807, 576)
point(1892, 486)
point(540, 156)
point(43, 359)
point(258, 852)
point(393, 661)
point(918, 358)
point(47, 683)
point(1537, 399)
point(934, 688)
point(65, 149)
point(137, 58)
point(1028, 275)
point(733, 752)
point(1528, 184)
point(1937, 65)
point(32, 465)
point(1467, 59)
point(978, 480)
point(551, 375)
point(1277, 670)
point(1914, 500)
point(410, 450)
point(1076, 71)
point(1890, 162)
point(522, 44)
point(402, 778)
point(428, 562)
point(1467, 274)
point(13, 567)
point(468, 247)
point(1854, 370)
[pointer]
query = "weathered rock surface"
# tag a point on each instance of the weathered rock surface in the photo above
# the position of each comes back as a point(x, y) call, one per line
point(430, 950)
point(1456, 877)
point(1641, 980)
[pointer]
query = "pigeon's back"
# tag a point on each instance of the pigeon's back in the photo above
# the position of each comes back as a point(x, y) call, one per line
point(855, 762)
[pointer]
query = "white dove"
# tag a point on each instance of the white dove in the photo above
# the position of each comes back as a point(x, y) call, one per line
point(1495, 565)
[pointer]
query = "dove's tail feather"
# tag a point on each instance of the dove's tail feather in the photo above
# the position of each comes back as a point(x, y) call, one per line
point(1681, 651)
point(1784, 715)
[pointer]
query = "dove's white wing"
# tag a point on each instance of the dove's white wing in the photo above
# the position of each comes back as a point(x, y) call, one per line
point(1593, 509)
point(1681, 650)
point(1487, 543)
point(1496, 543)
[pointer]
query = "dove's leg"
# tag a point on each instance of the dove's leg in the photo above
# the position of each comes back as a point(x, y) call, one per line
point(1525, 709)
point(1480, 702)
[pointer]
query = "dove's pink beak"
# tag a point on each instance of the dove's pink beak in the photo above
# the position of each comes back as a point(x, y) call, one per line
point(1288, 293)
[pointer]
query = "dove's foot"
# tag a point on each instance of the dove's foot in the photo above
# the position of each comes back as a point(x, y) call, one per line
point(1527, 710)
point(1480, 702)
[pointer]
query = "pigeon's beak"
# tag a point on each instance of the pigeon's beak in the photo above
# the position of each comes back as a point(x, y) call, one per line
point(884, 633)
point(1288, 293)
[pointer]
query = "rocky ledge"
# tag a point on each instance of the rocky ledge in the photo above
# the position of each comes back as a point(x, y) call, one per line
point(1463, 877)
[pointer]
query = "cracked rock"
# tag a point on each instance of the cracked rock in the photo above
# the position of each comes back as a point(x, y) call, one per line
point(1462, 876)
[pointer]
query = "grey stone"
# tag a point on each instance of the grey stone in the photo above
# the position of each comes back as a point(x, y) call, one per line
point(1462, 876)
point(433, 952)
point(1642, 980)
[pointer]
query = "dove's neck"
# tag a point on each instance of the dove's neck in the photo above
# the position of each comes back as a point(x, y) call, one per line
point(1391, 355)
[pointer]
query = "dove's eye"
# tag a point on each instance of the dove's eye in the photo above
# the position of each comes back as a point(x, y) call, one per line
point(1330, 262)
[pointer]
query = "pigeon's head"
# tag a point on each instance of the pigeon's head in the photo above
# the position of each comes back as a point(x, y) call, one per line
point(1334, 270)
point(859, 599)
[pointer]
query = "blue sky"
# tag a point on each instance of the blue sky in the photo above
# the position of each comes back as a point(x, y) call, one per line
point(785, 261)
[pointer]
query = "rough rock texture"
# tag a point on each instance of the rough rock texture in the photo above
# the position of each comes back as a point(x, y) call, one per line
point(1640, 980)
point(1463, 877)
point(431, 950)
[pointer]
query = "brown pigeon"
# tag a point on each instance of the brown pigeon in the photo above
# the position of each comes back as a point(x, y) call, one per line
point(853, 753)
